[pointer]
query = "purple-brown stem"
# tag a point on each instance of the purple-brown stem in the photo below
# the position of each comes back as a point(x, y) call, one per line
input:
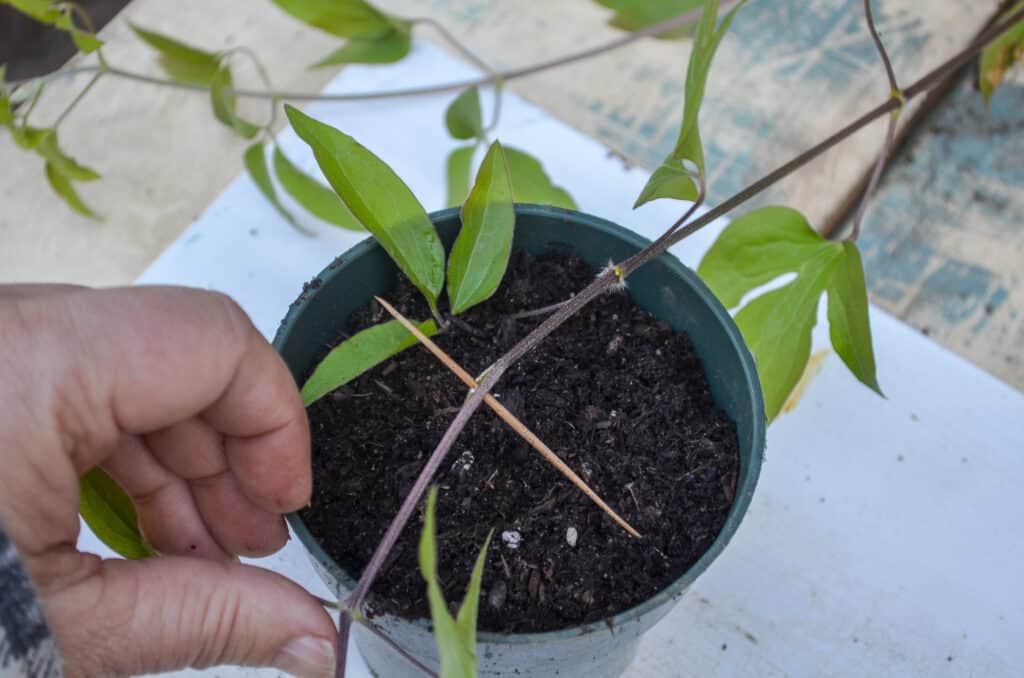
point(609, 278)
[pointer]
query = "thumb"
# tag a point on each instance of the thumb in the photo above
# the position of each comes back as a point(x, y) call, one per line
point(168, 613)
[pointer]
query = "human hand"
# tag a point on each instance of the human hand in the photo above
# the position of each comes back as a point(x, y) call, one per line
point(182, 401)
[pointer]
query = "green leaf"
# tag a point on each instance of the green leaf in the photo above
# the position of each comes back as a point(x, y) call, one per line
point(343, 18)
point(757, 248)
point(456, 639)
point(459, 163)
point(43, 11)
point(381, 202)
point(180, 61)
point(674, 179)
point(85, 41)
point(384, 49)
point(1000, 55)
point(480, 254)
point(321, 201)
point(777, 327)
point(110, 514)
point(848, 324)
point(530, 183)
point(358, 353)
point(256, 164)
point(224, 104)
point(28, 137)
point(62, 187)
point(463, 117)
point(6, 114)
point(48, 147)
point(636, 15)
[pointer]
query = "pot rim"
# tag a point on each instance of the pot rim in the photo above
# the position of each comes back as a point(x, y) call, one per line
point(741, 500)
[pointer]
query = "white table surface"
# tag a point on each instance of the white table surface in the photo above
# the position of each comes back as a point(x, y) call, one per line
point(885, 537)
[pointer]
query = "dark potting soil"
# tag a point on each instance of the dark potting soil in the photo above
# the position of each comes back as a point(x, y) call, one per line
point(615, 392)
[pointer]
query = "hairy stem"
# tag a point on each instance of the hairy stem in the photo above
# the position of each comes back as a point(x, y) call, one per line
point(610, 277)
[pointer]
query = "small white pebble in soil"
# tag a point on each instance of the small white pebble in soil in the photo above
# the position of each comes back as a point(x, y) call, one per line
point(571, 536)
point(512, 539)
point(463, 463)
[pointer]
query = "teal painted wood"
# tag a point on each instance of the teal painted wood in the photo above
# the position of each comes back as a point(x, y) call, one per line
point(943, 241)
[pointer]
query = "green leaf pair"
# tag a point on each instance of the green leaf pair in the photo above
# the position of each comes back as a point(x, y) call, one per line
point(530, 183)
point(373, 37)
point(195, 66)
point(636, 15)
point(1000, 55)
point(759, 247)
point(455, 636)
point(681, 174)
point(383, 204)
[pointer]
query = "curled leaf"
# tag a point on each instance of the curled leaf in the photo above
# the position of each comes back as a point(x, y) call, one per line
point(321, 201)
point(180, 61)
point(110, 514)
point(358, 353)
point(463, 117)
point(380, 200)
point(480, 254)
point(455, 637)
point(383, 49)
point(674, 178)
point(224, 104)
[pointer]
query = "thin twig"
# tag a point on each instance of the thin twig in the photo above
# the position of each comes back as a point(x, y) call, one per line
point(504, 76)
point(509, 418)
point(890, 132)
point(608, 278)
point(78, 97)
point(543, 310)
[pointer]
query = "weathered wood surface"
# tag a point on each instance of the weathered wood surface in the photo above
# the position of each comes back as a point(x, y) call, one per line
point(944, 241)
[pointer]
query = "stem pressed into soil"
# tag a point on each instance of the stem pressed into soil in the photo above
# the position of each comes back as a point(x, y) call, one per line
point(615, 275)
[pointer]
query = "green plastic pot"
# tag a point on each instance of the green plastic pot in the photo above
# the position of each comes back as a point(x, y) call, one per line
point(666, 288)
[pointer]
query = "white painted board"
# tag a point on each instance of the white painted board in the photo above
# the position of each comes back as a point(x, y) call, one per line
point(885, 537)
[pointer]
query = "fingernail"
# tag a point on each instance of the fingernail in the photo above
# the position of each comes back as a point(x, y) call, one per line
point(307, 657)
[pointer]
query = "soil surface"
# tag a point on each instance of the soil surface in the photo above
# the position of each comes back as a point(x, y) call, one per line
point(615, 392)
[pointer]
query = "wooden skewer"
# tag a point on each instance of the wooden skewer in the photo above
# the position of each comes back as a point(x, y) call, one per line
point(509, 418)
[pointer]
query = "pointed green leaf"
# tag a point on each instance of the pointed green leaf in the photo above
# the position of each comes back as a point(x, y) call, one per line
point(669, 181)
point(62, 187)
point(256, 164)
point(180, 61)
point(777, 327)
point(459, 163)
point(43, 11)
point(386, 49)
point(636, 15)
point(49, 148)
point(85, 41)
point(321, 201)
point(1000, 55)
point(358, 353)
point(381, 202)
point(343, 18)
point(848, 324)
point(463, 117)
point(28, 137)
point(110, 514)
point(530, 183)
point(757, 248)
point(456, 640)
point(480, 254)
point(224, 104)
